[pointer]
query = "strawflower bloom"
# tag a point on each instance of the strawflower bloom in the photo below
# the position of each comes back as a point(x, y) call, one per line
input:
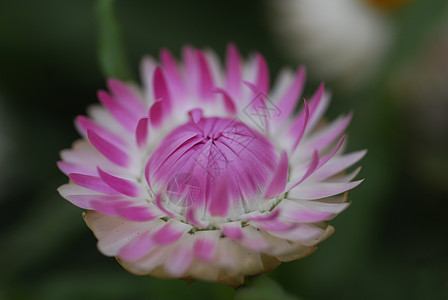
point(207, 173)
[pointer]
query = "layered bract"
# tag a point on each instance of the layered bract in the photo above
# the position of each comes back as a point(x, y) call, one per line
point(206, 172)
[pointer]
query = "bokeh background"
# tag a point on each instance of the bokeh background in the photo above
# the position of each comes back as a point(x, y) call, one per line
point(386, 60)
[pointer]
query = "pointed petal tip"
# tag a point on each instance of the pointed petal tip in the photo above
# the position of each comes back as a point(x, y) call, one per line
point(232, 45)
point(121, 185)
point(59, 164)
point(156, 114)
point(229, 103)
point(164, 52)
point(108, 149)
point(102, 94)
point(195, 115)
point(141, 132)
point(251, 86)
point(112, 82)
point(279, 180)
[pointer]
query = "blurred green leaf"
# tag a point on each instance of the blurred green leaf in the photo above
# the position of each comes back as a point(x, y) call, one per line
point(47, 228)
point(112, 54)
point(263, 288)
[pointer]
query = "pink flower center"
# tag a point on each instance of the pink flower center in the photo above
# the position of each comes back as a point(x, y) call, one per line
point(215, 166)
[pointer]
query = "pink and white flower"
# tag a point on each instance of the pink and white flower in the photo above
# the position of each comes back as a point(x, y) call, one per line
point(206, 172)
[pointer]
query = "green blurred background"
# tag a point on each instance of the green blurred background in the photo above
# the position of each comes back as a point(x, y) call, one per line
point(390, 244)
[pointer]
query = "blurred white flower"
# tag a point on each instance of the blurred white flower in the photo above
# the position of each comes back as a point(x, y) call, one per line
point(340, 40)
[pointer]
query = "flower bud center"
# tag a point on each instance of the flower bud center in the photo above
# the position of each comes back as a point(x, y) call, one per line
point(212, 165)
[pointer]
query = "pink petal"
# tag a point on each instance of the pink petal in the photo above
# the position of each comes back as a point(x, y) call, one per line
point(92, 182)
point(117, 237)
point(275, 226)
point(309, 211)
point(171, 71)
point(170, 233)
point(300, 233)
point(233, 71)
point(109, 150)
point(67, 168)
point(338, 164)
point(311, 168)
point(123, 186)
point(317, 98)
point(192, 219)
point(232, 230)
point(108, 208)
point(87, 201)
point(138, 213)
point(156, 113)
point(228, 101)
point(290, 99)
point(206, 79)
point(330, 133)
point(83, 154)
point(138, 247)
point(325, 159)
point(161, 91)
point(262, 217)
point(347, 177)
point(262, 79)
point(252, 239)
point(299, 125)
point(154, 259)
point(120, 113)
point(318, 105)
point(159, 204)
point(147, 67)
point(191, 69)
point(285, 250)
point(195, 114)
point(259, 101)
point(126, 96)
point(269, 221)
point(321, 190)
point(71, 189)
point(141, 132)
point(84, 124)
point(205, 244)
point(254, 88)
point(278, 181)
point(179, 261)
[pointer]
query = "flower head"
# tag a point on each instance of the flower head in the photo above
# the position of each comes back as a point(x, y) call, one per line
point(205, 172)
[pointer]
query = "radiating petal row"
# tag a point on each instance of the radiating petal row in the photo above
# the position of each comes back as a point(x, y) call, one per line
point(206, 172)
